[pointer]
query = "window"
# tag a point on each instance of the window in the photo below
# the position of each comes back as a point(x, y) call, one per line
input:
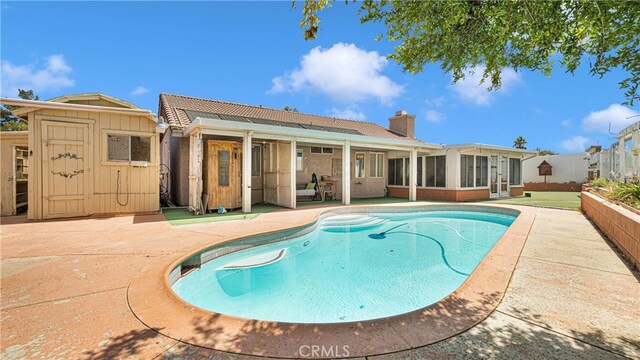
point(435, 171)
point(514, 172)
point(128, 148)
point(376, 162)
point(441, 171)
point(482, 170)
point(359, 165)
point(407, 166)
point(256, 160)
point(466, 170)
point(321, 150)
point(419, 171)
point(396, 169)
point(299, 160)
point(223, 168)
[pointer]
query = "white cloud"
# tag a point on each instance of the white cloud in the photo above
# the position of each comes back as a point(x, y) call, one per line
point(575, 144)
point(471, 89)
point(436, 102)
point(349, 113)
point(139, 90)
point(617, 115)
point(434, 116)
point(52, 76)
point(565, 123)
point(344, 72)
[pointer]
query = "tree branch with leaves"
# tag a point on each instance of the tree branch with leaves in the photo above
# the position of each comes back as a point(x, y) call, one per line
point(517, 34)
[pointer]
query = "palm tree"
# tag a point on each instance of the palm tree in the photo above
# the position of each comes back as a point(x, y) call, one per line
point(520, 143)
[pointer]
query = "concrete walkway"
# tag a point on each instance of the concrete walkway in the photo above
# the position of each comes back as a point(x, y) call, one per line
point(64, 284)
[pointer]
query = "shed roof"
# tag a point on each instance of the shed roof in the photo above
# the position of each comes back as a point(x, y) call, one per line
point(177, 109)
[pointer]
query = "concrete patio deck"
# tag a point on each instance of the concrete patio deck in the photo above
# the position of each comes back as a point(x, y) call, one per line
point(64, 291)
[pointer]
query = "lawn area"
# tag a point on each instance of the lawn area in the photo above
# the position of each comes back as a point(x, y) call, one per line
point(547, 199)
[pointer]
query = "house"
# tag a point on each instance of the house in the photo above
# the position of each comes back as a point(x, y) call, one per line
point(621, 161)
point(89, 154)
point(223, 154)
point(14, 168)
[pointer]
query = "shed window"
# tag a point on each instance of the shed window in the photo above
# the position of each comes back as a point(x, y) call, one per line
point(128, 148)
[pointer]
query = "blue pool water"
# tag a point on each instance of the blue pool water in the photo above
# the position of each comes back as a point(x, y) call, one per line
point(350, 268)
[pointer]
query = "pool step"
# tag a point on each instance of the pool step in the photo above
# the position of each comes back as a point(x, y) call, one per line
point(340, 223)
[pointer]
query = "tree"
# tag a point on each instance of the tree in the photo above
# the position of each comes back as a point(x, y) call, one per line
point(289, 108)
point(520, 143)
point(519, 34)
point(544, 152)
point(9, 122)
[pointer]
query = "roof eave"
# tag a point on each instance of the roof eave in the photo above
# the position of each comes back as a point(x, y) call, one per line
point(206, 123)
point(28, 106)
point(490, 147)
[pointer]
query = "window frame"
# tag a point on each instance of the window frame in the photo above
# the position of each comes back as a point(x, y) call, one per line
point(377, 170)
point(323, 150)
point(486, 171)
point(355, 164)
point(464, 171)
point(300, 155)
point(511, 177)
point(258, 162)
point(434, 160)
point(129, 135)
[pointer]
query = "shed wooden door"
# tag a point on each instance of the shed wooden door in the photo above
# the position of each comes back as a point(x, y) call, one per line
point(224, 180)
point(65, 162)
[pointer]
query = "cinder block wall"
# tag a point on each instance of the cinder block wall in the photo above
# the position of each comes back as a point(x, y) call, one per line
point(621, 226)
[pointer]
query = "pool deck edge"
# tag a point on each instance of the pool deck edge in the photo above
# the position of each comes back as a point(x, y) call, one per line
point(156, 305)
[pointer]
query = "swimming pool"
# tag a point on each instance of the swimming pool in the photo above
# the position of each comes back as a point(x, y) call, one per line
point(348, 267)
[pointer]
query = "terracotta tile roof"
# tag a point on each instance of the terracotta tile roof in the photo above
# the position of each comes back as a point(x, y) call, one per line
point(174, 109)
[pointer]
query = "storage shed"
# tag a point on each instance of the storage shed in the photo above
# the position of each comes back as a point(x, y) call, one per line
point(89, 154)
point(15, 171)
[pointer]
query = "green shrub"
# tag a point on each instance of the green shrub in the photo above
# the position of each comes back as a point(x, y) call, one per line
point(628, 194)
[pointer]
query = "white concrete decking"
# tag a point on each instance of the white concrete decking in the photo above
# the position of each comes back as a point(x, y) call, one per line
point(64, 289)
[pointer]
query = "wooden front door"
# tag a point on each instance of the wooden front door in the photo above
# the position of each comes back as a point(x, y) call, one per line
point(224, 180)
point(65, 162)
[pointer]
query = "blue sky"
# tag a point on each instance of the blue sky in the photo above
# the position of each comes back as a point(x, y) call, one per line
point(255, 53)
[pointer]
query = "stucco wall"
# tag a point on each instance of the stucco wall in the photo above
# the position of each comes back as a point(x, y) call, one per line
point(9, 139)
point(566, 168)
point(621, 226)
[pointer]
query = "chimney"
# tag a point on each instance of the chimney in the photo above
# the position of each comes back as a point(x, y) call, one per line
point(403, 124)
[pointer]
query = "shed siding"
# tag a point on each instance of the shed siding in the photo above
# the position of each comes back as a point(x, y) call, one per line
point(138, 185)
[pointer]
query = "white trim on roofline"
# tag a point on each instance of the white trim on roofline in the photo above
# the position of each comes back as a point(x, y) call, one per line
point(37, 104)
point(489, 147)
point(265, 130)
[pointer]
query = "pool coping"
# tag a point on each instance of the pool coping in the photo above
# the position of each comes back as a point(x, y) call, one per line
point(152, 301)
